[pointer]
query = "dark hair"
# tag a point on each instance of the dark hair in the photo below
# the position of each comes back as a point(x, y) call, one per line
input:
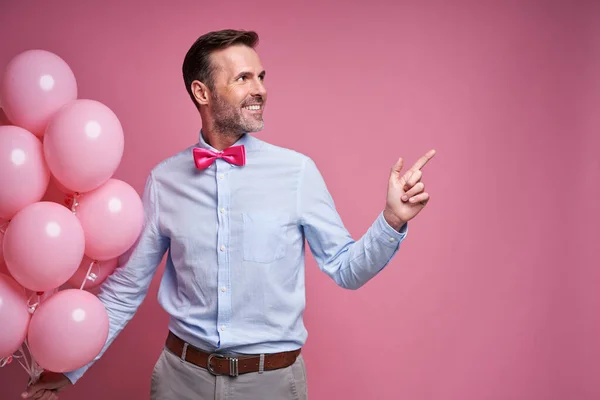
point(197, 64)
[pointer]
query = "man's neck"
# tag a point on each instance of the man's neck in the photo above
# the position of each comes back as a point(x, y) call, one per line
point(219, 140)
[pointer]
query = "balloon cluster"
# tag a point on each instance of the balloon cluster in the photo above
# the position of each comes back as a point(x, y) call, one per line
point(78, 145)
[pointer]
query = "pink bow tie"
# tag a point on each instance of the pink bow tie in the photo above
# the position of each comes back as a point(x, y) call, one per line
point(233, 155)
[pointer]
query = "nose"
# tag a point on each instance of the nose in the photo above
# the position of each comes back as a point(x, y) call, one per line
point(259, 89)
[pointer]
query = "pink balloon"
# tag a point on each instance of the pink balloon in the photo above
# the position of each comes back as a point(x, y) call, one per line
point(47, 294)
point(61, 187)
point(3, 228)
point(36, 83)
point(112, 218)
point(14, 315)
point(3, 268)
point(101, 271)
point(43, 246)
point(24, 176)
point(3, 118)
point(83, 145)
point(68, 330)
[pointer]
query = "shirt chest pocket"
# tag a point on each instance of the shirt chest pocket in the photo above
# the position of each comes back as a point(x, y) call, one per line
point(264, 238)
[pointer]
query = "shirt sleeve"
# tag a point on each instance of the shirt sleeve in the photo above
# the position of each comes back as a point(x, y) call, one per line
point(349, 263)
point(125, 289)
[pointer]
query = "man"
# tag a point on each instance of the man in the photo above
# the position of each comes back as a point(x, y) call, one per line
point(233, 213)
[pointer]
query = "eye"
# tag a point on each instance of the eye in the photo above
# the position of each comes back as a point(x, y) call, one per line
point(241, 78)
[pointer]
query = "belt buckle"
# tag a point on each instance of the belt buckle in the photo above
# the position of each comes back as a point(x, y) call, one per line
point(233, 364)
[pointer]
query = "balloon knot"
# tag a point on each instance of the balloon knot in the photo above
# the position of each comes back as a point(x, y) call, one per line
point(68, 201)
point(3, 226)
point(5, 361)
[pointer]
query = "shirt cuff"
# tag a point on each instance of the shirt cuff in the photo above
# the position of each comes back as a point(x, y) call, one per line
point(73, 376)
point(388, 235)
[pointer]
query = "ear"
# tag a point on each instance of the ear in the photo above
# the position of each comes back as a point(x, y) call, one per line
point(201, 92)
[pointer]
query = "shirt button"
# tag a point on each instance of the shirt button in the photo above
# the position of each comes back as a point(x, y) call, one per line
point(222, 328)
point(221, 176)
point(222, 211)
point(223, 289)
point(392, 239)
point(222, 248)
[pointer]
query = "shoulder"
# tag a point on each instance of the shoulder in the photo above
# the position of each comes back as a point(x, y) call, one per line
point(282, 154)
point(176, 162)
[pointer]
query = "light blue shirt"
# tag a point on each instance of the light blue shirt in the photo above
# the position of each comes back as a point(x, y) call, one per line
point(234, 274)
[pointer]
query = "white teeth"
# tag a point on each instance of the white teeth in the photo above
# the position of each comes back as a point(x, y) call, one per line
point(254, 108)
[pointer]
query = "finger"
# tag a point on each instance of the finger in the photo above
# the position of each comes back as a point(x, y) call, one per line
point(37, 390)
point(412, 180)
point(33, 390)
point(397, 167)
point(422, 198)
point(423, 160)
point(46, 395)
point(404, 179)
point(38, 395)
point(415, 190)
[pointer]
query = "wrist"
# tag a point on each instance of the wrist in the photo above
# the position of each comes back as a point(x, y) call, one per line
point(393, 220)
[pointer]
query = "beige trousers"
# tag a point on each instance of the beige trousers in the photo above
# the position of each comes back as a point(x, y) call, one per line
point(175, 379)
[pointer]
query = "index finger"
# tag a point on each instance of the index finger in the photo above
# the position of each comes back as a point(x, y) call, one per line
point(35, 390)
point(423, 160)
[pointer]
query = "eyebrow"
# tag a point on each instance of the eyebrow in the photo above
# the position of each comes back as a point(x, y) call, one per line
point(263, 73)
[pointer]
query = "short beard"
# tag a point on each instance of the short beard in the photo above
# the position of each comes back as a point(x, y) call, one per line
point(228, 120)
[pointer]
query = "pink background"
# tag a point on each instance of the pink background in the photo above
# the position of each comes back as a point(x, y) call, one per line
point(496, 292)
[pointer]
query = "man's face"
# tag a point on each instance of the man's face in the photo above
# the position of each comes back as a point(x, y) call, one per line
point(239, 96)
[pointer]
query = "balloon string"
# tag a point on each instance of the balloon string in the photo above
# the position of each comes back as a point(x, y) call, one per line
point(75, 203)
point(3, 227)
point(5, 361)
point(24, 358)
point(24, 367)
point(36, 370)
point(33, 370)
point(32, 307)
point(89, 275)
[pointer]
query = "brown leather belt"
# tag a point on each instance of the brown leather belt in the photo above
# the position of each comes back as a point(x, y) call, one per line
point(219, 364)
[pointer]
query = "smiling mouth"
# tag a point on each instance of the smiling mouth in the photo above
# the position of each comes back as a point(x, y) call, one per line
point(254, 107)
